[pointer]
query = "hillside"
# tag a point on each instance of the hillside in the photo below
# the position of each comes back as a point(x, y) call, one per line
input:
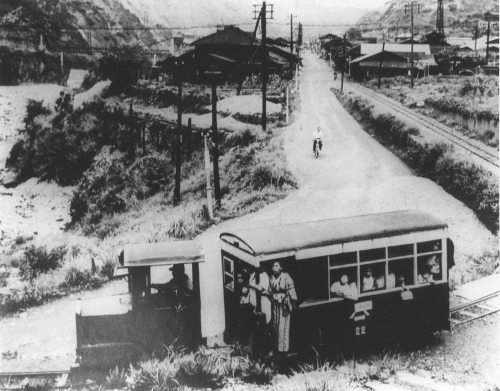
point(56, 21)
point(459, 17)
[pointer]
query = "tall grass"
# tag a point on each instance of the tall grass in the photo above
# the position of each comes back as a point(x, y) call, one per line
point(203, 368)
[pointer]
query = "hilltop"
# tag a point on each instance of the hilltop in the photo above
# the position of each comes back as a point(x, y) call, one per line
point(459, 17)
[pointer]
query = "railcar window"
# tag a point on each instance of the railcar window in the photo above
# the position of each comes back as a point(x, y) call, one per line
point(312, 280)
point(400, 272)
point(400, 251)
point(429, 268)
point(427, 247)
point(372, 277)
point(229, 274)
point(343, 258)
point(372, 254)
point(343, 282)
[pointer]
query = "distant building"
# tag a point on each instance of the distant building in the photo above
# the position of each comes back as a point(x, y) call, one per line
point(229, 53)
point(390, 63)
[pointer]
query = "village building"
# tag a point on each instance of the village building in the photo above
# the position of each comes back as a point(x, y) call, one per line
point(229, 54)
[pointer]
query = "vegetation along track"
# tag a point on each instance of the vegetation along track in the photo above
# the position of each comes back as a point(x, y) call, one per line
point(477, 150)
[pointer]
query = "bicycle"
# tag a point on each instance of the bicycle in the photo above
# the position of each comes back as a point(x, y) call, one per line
point(316, 147)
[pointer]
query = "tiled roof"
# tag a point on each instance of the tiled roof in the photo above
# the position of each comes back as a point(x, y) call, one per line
point(229, 36)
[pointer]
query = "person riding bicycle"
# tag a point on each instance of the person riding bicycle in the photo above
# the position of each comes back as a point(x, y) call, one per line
point(318, 137)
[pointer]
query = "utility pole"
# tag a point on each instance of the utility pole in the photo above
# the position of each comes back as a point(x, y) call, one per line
point(475, 40)
point(207, 173)
point(412, 6)
point(291, 46)
point(264, 67)
point(263, 15)
point(177, 189)
point(488, 43)
point(343, 65)
point(380, 65)
point(215, 152)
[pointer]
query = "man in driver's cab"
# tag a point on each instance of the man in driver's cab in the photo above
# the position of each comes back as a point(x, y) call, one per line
point(179, 287)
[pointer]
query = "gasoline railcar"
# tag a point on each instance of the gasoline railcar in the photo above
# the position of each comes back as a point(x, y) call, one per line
point(394, 264)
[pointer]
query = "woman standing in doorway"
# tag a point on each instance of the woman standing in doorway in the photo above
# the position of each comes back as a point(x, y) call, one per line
point(284, 300)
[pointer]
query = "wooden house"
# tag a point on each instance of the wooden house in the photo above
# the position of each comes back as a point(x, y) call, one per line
point(228, 54)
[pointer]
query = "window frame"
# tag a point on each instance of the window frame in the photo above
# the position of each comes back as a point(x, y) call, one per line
point(229, 274)
point(413, 240)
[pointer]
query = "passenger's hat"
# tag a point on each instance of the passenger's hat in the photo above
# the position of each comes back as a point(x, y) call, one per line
point(178, 267)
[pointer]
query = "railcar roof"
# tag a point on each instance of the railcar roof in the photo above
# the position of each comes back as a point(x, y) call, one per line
point(163, 253)
point(272, 240)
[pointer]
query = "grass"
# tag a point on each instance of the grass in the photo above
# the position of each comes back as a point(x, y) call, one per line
point(71, 268)
point(204, 368)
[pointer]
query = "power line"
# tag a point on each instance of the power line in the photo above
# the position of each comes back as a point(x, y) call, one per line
point(16, 27)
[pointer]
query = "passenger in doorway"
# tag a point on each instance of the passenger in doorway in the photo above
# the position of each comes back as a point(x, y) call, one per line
point(343, 289)
point(368, 280)
point(284, 300)
point(259, 286)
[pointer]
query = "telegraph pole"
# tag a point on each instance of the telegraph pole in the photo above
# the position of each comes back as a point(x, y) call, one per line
point(263, 15)
point(291, 46)
point(475, 40)
point(412, 5)
point(215, 152)
point(343, 65)
point(264, 67)
point(177, 189)
point(488, 43)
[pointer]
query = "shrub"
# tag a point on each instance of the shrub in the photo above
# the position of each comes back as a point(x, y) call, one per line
point(37, 260)
point(34, 108)
point(110, 187)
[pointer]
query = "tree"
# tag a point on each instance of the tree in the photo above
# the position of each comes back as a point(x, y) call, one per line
point(353, 33)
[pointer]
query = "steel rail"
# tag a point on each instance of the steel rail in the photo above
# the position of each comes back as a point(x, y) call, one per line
point(462, 142)
point(461, 307)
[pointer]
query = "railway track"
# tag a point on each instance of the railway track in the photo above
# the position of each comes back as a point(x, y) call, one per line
point(463, 142)
point(463, 312)
point(60, 378)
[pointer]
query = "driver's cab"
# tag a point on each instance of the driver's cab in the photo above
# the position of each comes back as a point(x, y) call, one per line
point(156, 312)
point(162, 275)
point(164, 289)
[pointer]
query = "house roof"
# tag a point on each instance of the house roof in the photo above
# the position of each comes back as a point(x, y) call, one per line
point(372, 48)
point(329, 36)
point(229, 36)
point(401, 57)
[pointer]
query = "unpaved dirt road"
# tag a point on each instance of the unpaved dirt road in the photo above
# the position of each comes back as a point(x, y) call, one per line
point(354, 175)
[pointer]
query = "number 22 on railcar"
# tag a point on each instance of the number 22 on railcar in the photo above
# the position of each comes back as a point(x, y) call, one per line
point(358, 280)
